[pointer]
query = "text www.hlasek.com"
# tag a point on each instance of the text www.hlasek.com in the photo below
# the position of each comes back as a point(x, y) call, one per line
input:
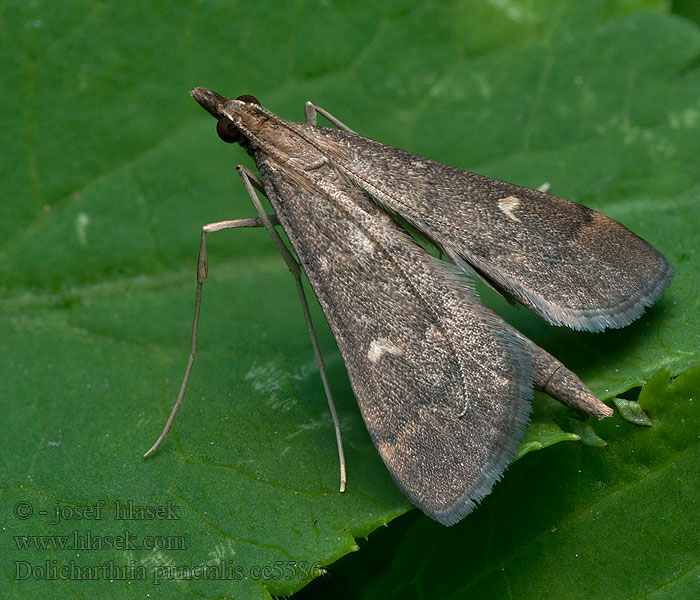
point(87, 540)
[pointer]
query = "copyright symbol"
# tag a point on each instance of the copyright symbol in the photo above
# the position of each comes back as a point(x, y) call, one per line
point(23, 510)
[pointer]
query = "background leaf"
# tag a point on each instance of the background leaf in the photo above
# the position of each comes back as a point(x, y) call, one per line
point(108, 171)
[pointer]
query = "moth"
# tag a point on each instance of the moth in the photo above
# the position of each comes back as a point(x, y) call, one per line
point(443, 382)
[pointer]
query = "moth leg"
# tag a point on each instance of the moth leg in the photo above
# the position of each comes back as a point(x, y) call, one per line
point(248, 180)
point(310, 111)
point(555, 380)
point(201, 276)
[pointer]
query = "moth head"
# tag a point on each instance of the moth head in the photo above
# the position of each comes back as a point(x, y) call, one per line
point(225, 127)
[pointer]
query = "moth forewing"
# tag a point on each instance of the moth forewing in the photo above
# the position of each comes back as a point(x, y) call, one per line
point(441, 383)
point(569, 264)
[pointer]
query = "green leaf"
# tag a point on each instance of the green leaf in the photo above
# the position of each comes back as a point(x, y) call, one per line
point(108, 171)
point(632, 411)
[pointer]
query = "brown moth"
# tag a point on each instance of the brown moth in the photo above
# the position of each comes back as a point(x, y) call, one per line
point(443, 383)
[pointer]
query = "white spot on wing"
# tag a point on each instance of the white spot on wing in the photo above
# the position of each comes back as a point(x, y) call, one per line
point(361, 241)
point(508, 205)
point(382, 346)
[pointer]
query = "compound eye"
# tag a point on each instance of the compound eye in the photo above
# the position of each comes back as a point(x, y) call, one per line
point(227, 130)
point(248, 99)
